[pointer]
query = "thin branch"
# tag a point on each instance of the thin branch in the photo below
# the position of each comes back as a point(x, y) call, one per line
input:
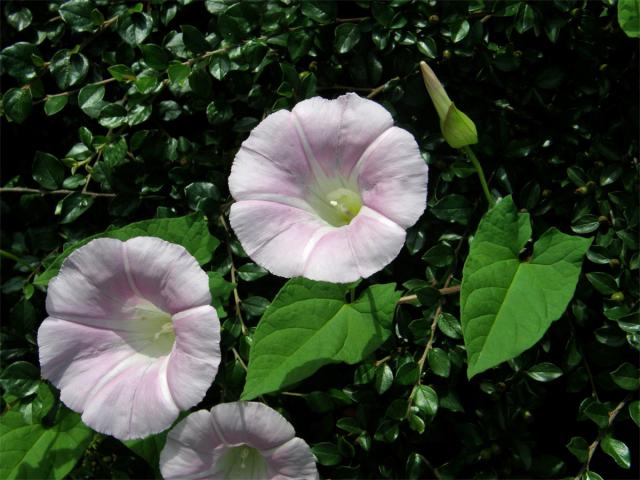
point(592, 448)
point(236, 296)
point(443, 291)
point(53, 192)
point(239, 358)
point(376, 91)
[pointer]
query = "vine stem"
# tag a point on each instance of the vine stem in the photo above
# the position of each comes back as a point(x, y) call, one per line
point(592, 448)
point(483, 181)
point(443, 291)
point(236, 295)
point(53, 192)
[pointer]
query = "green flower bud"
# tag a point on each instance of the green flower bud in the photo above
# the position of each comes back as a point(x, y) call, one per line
point(457, 128)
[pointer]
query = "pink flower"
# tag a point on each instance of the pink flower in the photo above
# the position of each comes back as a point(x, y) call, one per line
point(327, 190)
point(131, 339)
point(240, 440)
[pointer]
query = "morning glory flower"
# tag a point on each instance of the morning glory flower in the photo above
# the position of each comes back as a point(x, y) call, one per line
point(131, 338)
point(326, 191)
point(239, 440)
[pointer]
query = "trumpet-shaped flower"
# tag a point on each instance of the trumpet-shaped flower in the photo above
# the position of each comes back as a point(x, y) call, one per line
point(131, 338)
point(240, 440)
point(327, 190)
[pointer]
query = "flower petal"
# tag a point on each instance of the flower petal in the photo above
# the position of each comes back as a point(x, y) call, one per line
point(275, 235)
point(292, 461)
point(252, 423)
point(188, 450)
point(398, 188)
point(76, 357)
point(193, 363)
point(338, 131)
point(166, 274)
point(91, 285)
point(360, 249)
point(269, 161)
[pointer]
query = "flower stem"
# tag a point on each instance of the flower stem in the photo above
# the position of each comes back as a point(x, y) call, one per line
point(483, 181)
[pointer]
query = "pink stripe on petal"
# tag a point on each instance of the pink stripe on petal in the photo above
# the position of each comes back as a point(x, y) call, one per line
point(166, 274)
point(252, 423)
point(92, 284)
point(396, 188)
point(76, 357)
point(360, 249)
point(274, 235)
point(338, 131)
point(268, 161)
point(116, 406)
point(292, 461)
point(188, 450)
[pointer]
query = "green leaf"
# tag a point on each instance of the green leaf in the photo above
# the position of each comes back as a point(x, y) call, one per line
point(194, 39)
point(16, 103)
point(113, 115)
point(90, 100)
point(135, 27)
point(507, 305)
point(121, 73)
point(319, 11)
point(408, 374)
point(30, 450)
point(603, 282)
point(626, 377)
point(440, 255)
point(191, 232)
point(155, 56)
point(383, 379)
point(308, 325)
point(617, 450)
point(347, 36)
point(68, 68)
point(544, 372)
point(251, 272)
point(634, 411)
point(459, 31)
point(18, 18)
point(55, 103)
point(428, 47)
point(219, 66)
point(20, 379)
point(453, 208)
point(579, 447)
point(591, 475)
point(178, 72)
point(426, 399)
point(327, 454)
point(74, 206)
point(77, 13)
point(439, 362)
point(202, 196)
point(149, 449)
point(47, 170)
point(526, 18)
point(17, 61)
point(629, 17)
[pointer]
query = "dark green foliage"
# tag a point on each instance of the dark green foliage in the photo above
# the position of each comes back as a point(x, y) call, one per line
point(115, 113)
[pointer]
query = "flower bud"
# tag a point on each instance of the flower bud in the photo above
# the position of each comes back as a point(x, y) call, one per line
point(457, 128)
